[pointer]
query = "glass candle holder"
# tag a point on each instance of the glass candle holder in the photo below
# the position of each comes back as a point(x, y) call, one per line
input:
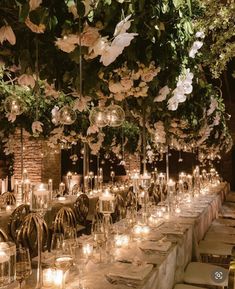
point(7, 263)
point(106, 202)
point(41, 197)
point(53, 278)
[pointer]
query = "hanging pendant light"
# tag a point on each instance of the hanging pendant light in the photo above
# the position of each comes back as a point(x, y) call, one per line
point(115, 115)
point(67, 115)
point(98, 116)
point(14, 105)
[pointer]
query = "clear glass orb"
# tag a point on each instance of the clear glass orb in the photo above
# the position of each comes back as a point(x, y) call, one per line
point(115, 115)
point(14, 105)
point(98, 116)
point(67, 115)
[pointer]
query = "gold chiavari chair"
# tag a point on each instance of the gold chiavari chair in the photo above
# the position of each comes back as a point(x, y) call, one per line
point(27, 235)
point(64, 219)
point(16, 219)
point(3, 236)
point(81, 208)
point(9, 198)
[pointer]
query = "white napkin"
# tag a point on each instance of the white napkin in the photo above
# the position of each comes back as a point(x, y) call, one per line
point(130, 271)
point(162, 246)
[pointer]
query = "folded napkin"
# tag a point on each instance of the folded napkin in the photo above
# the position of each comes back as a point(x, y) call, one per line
point(162, 246)
point(130, 271)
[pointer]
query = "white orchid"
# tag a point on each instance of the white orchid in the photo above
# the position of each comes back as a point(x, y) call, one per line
point(200, 34)
point(111, 52)
point(172, 103)
point(37, 127)
point(123, 26)
point(6, 33)
point(163, 92)
point(34, 4)
point(195, 47)
point(55, 115)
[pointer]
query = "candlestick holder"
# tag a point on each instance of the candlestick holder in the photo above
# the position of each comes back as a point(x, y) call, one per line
point(106, 207)
point(135, 178)
point(40, 203)
point(69, 179)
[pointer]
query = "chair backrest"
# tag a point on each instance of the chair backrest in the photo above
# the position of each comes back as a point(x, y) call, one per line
point(3, 236)
point(65, 217)
point(33, 224)
point(9, 198)
point(120, 208)
point(81, 208)
point(130, 198)
point(16, 220)
point(75, 189)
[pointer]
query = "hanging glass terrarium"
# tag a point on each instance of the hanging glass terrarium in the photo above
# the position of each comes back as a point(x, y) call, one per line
point(67, 115)
point(14, 105)
point(98, 116)
point(115, 115)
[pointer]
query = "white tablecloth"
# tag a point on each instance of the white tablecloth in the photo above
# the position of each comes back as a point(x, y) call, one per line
point(183, 231)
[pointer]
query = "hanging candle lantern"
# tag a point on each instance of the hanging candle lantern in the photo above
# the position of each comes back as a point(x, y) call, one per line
point(14, 105)
point(67, 115)
point(98, 116)
point(115, 115)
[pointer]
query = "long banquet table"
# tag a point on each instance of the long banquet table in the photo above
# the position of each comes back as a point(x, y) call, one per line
point(184, 231)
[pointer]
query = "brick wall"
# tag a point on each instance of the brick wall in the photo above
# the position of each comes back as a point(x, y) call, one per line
point(40, 162)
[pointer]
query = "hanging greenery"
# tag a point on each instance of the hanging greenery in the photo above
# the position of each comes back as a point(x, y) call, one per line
point(143, 55)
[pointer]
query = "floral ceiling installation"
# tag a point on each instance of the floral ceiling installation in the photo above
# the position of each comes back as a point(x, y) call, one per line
point(144, 55)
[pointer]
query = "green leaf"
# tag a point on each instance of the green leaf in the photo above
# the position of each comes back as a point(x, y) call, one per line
point(188, 27)
point(165, 8)
point(189, 7)
point(107, 2)
point(23, 12)
point(81, 8)
point(177, 3)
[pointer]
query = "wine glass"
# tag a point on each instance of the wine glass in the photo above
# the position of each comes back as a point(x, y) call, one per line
point(57, 243)
point(98, 233)
point(81, 258)
point(23, 264)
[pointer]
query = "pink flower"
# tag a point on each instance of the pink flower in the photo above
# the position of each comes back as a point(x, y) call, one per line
point(34, 27)
point(126, 83)
point(92, 129)
point(6, 33)
point(119, 96)
point(115, 87)
point(81, 104)
point(50, 90)
point(34, 4)
point(89, 36)
point(67, 43)
point(27, 80)
point(37, 127)
point(163, 92)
